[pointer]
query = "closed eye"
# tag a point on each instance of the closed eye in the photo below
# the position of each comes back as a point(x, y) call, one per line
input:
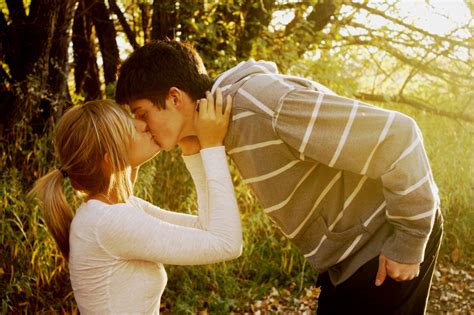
point(140, 115)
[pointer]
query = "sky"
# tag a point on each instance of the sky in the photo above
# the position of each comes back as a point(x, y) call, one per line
point(437, 17)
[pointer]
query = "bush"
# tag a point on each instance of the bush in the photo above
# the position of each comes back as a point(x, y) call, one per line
point(34, 276)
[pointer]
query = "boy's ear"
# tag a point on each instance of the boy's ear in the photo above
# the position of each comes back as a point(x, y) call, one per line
point(175, 95)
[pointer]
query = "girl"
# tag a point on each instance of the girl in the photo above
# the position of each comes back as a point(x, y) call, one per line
point(115, 243)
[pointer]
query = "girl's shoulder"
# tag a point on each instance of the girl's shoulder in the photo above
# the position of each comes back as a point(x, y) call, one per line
point(94, 212)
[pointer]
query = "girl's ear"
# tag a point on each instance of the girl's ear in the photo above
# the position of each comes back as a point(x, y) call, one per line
point(106, 159)
point(106, 165)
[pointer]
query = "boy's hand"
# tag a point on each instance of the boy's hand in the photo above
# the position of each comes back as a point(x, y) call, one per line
point(395, 270)
point(211, 122)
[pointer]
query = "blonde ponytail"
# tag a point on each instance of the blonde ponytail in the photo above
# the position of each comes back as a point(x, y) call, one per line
point(82, 138)
point(57, 212)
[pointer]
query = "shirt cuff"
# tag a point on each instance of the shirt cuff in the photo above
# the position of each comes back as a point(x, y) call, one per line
point(404, 248)
point(193, 162)
point(214, 161)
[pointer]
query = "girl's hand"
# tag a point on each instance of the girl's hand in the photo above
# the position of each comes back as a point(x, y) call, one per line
point(211, 122)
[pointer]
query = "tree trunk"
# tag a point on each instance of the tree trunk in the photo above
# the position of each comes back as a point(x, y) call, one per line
point(145, 19)
point(36, 55)
point(86, 72)
point(59, 61)
point(164, 21)
point(257, 17)
point(105, 30)
point(28, 59)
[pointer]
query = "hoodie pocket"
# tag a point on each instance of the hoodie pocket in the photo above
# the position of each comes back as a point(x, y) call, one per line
point(324, 247)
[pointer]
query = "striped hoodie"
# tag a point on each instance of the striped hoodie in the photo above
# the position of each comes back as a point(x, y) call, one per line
point(343, 180)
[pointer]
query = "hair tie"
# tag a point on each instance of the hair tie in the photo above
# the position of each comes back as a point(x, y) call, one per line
point(63, 172)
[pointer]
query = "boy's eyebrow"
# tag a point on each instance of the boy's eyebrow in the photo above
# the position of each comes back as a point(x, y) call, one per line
point(135, 109)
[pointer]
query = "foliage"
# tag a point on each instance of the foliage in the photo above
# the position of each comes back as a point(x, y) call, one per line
point(34, 277)
point(323, 40)
point(268, 259)
point(33, 274)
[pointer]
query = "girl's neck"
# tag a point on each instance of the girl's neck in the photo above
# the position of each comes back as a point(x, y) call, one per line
point(109, 199)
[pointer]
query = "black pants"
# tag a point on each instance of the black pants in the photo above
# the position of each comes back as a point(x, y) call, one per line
point(359, 295)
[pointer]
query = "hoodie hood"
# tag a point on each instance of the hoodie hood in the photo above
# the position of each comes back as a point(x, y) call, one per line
point(231, 80)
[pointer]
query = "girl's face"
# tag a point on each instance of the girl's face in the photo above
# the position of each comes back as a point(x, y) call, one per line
point(142, 147)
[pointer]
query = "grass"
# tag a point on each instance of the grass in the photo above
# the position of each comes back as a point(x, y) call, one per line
point(34, 276)
point(449, 146)
point(268, 259)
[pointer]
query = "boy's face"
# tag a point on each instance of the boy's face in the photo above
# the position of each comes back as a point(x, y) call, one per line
point(165, 125)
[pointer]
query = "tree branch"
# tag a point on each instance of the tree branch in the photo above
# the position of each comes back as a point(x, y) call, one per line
point(413, 103)
point(105, 30)
point(383, 45)
point(321, 14)
point(467, 44)
point(126, 28)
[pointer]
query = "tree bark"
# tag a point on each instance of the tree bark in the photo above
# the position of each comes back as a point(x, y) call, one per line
point(36, 54)
point(321, 15)
point(86, 72)
point(164, 20)
point(145, 14)
point(28, 58)
point(16, 10)
point(257, 16)
point(29, 42)
point(306, 29)
point(59, 61)
point(105, 30)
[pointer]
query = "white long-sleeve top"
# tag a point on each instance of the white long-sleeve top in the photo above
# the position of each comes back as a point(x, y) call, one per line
point(117, 251)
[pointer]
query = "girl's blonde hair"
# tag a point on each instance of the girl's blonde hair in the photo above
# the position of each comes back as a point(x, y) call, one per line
point(85, 136)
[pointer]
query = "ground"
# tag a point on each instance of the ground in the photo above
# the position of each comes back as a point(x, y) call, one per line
point(452, 293)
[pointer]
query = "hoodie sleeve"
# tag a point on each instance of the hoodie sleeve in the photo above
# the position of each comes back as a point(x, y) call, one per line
point(349, 135)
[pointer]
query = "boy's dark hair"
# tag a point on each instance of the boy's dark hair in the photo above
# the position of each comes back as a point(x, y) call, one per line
point(150, 71)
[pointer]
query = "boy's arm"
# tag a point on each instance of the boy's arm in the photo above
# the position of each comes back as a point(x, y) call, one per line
point(370, 141)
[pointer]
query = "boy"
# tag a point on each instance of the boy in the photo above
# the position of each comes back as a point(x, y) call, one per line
point(347, 182)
